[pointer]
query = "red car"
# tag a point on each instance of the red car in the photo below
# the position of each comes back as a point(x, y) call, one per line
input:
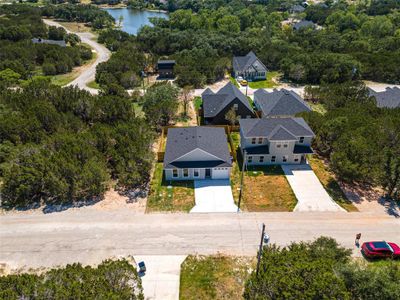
point(380, 249)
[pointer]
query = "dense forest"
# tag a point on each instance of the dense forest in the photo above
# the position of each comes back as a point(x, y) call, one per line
point(109, 280)
point(20, 58)
point(350, 42)
point(320, 270)
point(361, 141)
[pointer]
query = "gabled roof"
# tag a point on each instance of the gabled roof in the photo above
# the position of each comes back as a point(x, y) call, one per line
point(280, 103)
point(390, 98)
point(303, 24)
point(280, 133)
point(297, 8)
point(242, 63)
point(181, 141)
point(166, 61)
point(272, 128)
point(214, 103)
point(207, 91)
point(49, 42)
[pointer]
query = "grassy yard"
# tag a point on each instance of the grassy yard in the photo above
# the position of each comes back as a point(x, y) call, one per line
point(318, 107)
point(265, 84)
point(329, 182)
point(94, 85)
point(169, 196)
point(233, 80)
point(214, 277)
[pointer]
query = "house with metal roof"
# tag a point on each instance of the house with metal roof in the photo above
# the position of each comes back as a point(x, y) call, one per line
point(269, 141)
point(60, 43)
point(249, 67)
point(303, 25)
point(279, 103)
point(389, 98)
point(194, 153)
point(216, 105)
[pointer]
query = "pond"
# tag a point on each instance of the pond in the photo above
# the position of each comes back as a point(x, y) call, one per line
point(134, 19)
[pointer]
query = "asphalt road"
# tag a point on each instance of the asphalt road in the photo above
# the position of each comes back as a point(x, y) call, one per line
point(38, 240)
point(103, 54)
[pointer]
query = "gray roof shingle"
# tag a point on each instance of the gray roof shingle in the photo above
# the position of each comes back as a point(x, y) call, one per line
point(272, 128)
point(242, 63)
point(181, 141)
point(303, 24)
point(390, 98)
point(215, 103)
point(280, 103)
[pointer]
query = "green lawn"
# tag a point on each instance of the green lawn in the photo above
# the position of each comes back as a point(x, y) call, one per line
point(214, 277)
point(318, 107)
point(327, 178)
point(265, 84)
point(233, 80)
point(197, 101)
point(169, 196)
point(93, 84)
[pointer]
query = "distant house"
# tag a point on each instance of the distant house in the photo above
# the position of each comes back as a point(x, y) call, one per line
point(197, 153)
point(389, 98)
point(249, 67)
point(279, 103)
point(303, 24)
point(296, 9)
point(49, 42)
point(269, 141)
point(166, 68)
point(216, 105)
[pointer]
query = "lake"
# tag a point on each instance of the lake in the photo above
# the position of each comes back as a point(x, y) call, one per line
point(134, 19)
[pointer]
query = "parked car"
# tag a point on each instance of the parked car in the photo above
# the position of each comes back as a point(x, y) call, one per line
point(244, 82)
point(142, 267)
point(239, 78)
point(380, 249)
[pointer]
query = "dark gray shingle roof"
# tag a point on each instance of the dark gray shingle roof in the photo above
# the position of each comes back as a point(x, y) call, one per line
point(303, 24)
point(271, 127)
point(280, 103)
point(49, 42)
point(242, 63)
point(215, 103)
point(181, 141)
point(390, 98)
point(297, 8)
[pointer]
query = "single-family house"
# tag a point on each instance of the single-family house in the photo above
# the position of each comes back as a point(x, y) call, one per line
point(303, 25)
point(279, 103)
point(193, 153)
point(60, 43)
point(165, 68)
point(216, 105)
point(389, 98)
point(297, 9)
point(269, 141)
point(249, 67)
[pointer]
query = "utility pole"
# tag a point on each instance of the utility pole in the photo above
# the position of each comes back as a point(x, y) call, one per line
point(241, 179)
point(260, 249)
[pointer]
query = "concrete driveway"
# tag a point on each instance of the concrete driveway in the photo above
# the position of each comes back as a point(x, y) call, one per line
point(162, 277)
point(309, 191)
point(213, 196)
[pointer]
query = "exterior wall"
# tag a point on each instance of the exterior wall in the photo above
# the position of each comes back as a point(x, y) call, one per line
point(242, 111)
point(216, 173)
point(274, 148)
point(197, 155)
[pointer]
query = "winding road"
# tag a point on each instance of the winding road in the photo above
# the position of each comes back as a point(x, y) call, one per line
point(103, 54)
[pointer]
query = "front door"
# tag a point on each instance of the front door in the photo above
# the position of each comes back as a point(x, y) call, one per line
point(208, 173)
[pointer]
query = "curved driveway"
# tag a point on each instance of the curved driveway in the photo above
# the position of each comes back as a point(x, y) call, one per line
point(88, 74)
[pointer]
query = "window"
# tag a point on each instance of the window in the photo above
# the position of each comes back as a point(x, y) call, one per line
point(278, 145)
point(285, 145)
point(175, 173)
point(250, 159)
point(301, 140)
point(185, 172)
point(284, 158)
point(196, 172)
point(235, 106)
point(273, 158)
point(253, 141)
point(296, 158)
point(260, 140)
point(261, 159)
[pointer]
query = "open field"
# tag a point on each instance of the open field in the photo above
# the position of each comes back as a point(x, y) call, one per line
point(169, 196)
point(214, 277)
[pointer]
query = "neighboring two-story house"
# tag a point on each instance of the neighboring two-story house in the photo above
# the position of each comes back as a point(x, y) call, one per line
point(249, 67)
point(279, 103)
point(194, 153)
point(216, 105)
point(269, 141)
point(389, 98)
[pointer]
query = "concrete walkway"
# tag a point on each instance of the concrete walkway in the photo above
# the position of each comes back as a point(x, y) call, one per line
point(213, 196)
point(161, 280)
point(309, 191)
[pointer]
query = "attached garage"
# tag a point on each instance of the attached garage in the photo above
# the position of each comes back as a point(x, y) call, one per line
point(220, 173)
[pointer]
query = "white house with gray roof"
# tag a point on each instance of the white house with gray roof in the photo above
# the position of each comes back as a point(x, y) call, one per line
point(194, 153)
point(269, 141)
point(279, 103)
point(389, 98)
point(249, 67)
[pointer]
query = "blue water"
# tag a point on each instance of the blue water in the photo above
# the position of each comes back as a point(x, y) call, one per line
point(134, 19)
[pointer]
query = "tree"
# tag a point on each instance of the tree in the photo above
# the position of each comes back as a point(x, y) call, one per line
point(231, 116)
point(186, 91)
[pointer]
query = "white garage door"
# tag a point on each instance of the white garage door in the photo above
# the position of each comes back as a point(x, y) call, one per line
point(220, 173)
